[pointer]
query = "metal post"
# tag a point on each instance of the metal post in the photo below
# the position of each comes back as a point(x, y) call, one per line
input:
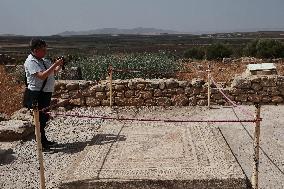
point(209, 89)
point(110, 85)
point(39, 146)
point(254, 179)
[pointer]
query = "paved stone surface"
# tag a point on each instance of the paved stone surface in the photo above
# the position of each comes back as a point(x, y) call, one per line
point(156, 155)
point(240, 138)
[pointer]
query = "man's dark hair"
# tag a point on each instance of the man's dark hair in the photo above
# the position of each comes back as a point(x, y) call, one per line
point(37, 43)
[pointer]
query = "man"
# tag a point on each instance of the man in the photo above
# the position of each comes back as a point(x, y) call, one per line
point(40, 82)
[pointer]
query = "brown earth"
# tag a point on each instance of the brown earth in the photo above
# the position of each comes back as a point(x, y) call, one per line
point(10, 93)
point(11, 90)
point(221, 72)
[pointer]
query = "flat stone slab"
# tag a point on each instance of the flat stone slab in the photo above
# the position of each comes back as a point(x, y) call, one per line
point(156, 155)
point(13, 130)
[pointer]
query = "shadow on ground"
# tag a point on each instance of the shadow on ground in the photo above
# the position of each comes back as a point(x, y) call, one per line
point(6, 156)
point(99, 139)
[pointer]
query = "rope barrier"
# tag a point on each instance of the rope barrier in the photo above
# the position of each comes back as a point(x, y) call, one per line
point(153, 120)
point(52, 106)
point(245, 112)
point(221, 91)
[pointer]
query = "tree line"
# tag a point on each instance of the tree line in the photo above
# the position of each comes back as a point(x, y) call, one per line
point(259, 48)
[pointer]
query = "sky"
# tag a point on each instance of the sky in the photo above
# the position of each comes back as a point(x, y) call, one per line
point(49, 17)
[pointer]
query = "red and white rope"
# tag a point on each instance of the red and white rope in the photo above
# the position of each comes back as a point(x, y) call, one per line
point(151, 120)
point(244, 111)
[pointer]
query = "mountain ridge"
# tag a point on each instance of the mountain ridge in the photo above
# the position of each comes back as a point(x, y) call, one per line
point(117, 31)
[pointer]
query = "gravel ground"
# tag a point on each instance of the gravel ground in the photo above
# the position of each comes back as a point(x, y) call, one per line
point(240, 139)
point(71, 133)
point(20, 166)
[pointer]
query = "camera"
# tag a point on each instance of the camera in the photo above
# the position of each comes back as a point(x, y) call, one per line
point(64, 61)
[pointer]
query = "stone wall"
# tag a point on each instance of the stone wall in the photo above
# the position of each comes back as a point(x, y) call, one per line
point(168, 92)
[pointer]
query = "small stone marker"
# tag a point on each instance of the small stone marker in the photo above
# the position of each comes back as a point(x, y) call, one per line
point(261, 69)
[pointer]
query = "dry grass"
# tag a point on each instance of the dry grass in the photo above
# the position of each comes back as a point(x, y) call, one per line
point(10, 93)
point(221, 72)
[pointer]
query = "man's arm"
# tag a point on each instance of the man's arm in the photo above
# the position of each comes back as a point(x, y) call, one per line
point(57, 69)
point(43, 75)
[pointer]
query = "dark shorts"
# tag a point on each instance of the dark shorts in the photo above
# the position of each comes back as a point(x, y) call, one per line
point(41, 98)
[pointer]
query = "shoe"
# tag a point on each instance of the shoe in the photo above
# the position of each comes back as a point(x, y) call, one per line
point(45, 147)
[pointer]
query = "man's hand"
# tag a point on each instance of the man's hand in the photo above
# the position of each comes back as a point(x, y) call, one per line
point(58, 65)
point(59, 62)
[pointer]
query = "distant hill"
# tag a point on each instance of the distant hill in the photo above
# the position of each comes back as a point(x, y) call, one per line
point(115, 31)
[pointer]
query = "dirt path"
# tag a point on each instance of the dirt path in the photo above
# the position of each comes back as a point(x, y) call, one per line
point(10, 93)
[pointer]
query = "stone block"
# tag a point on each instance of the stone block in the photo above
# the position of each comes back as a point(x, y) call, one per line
point(153, 85)
point(23, 114)
point(105, 102)
point(241, 98)
point(184, 84)
point(272, 90)
point(92, 101)
point(180, 100)
point(169, 92)
point(131, 85)
point(216, 96)
point(179, 91)
point(254, 98)
point(119, 88)
point(171, 83)
point(72, 86)
point(84, 85)
point(192, 101)
point(14, 130)
point(162, 85)
point(255, 79)
point(241, 83)
point(280, 81)
point(277, 99)
point(150, 102)
point(76, 102)
point(59, 86)
point(163, 101)
point(87, 93)
point(140, 86)
point(4, 117)
point(266, 99)
point(196, 91)
point(134, 102)
point(188, 91)
point(256, 86)
point(120, 101)
point(120, 94)
point(100, 95)
point(146, 94)
point(98, 88)
point(197, 82)
point(129, 93)
point(268, 81)
point(201, 102)
point(157, 92)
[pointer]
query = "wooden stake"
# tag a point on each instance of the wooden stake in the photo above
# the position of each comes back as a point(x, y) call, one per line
point(110, 85)
point(254, 179)
point(39, 147)
point(209, 89)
